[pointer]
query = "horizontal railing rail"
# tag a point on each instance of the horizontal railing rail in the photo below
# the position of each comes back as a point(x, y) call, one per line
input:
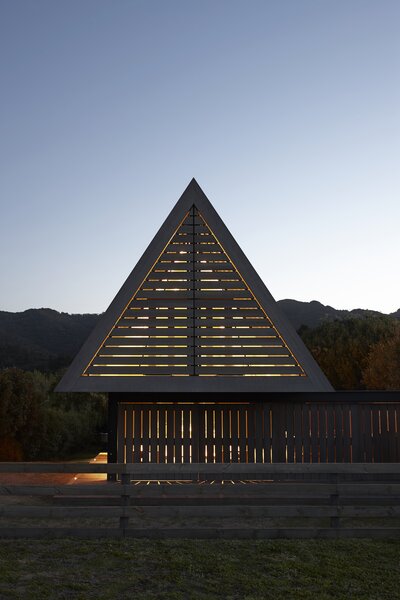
point(202, 468)
point(330, 508)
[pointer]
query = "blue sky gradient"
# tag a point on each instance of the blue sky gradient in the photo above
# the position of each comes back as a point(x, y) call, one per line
point(286, 113)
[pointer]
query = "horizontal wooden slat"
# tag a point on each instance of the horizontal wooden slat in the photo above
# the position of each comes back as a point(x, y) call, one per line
point(241, 353)
point(170, 276)
point(199, 236)
point(168, 311)
point(267, 371)
point(160, 303)
point(227, 303)
point(139, 362)
point(143, 352)
point(167, 294)
point(165, 285)
point(143, 342)
point(245, 361)
point(235, 342)
point(180, 294)
point(203, 344)
point(192, 276)
point(172, 356)
point(177, 321)
point(248, 333)
point(246, 310)
point(153, 331)
point(191, 285)
point(147, 371)
point(184, 328)
point(186, 245)
point(186, 319)
point(198, 228)
point(232, 323)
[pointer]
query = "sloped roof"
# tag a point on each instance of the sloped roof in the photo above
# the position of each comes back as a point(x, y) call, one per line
point(194, 316)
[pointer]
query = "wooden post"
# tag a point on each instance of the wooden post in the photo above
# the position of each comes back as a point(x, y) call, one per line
point(112, 433)
point(125, 502)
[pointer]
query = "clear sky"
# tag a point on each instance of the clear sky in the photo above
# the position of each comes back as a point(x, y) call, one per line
point(286, 112)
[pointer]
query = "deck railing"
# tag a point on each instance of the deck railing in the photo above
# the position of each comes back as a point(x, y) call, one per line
point(203, 501)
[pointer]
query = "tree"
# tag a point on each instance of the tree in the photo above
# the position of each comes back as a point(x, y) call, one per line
point(341, 348)
point(382, 369)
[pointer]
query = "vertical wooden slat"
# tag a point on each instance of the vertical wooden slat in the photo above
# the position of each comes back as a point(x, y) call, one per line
point(145, 434)
point(129, 434)
point(162, 447)
point(289, 433)
point(136, 435)
point(170, 418)
point(250, 415)
point(339, 433)
point(226, 434)
point(210, 435)
point(178, 435)
point(314, 433)
point(197, 442)
point(322, 433)
point(153, 435)
point(186, 434)
point(121, 433)
point(376, 435)
point(298, 433)
point(356, 427)
point(368, 434)
point(306, 433)
point(386, 433)
point(392, 433)
point(267, 433)
point(242, 434)
point(346, 433)
point(234, 434)
point(218, 434)
point(330, 431)
point(258, 415)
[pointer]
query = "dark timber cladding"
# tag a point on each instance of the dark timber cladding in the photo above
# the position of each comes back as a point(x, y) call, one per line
point(344, 427)
point(194, 316)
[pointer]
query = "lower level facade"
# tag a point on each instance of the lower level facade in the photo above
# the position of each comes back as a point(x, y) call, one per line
point(291, 428)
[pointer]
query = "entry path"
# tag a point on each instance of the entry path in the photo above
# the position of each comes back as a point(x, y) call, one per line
point(56, 478)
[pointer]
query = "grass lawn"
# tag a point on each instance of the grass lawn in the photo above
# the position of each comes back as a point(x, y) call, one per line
point(195, 569)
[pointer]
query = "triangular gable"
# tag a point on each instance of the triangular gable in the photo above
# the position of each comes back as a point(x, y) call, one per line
point(194, 316)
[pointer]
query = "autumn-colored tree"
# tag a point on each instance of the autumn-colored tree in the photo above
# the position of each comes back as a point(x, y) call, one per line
point(382, 370)
point(341, 348)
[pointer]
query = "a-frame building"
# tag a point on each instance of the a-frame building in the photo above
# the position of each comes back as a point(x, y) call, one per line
point(192, 327)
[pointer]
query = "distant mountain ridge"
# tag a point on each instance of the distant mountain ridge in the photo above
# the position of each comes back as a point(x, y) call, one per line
point(314, 313)
point(47, 340)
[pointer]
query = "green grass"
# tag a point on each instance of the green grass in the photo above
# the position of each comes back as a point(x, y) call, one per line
point(195, 569)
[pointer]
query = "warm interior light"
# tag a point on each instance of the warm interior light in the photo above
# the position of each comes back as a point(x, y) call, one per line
point(191, 302)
